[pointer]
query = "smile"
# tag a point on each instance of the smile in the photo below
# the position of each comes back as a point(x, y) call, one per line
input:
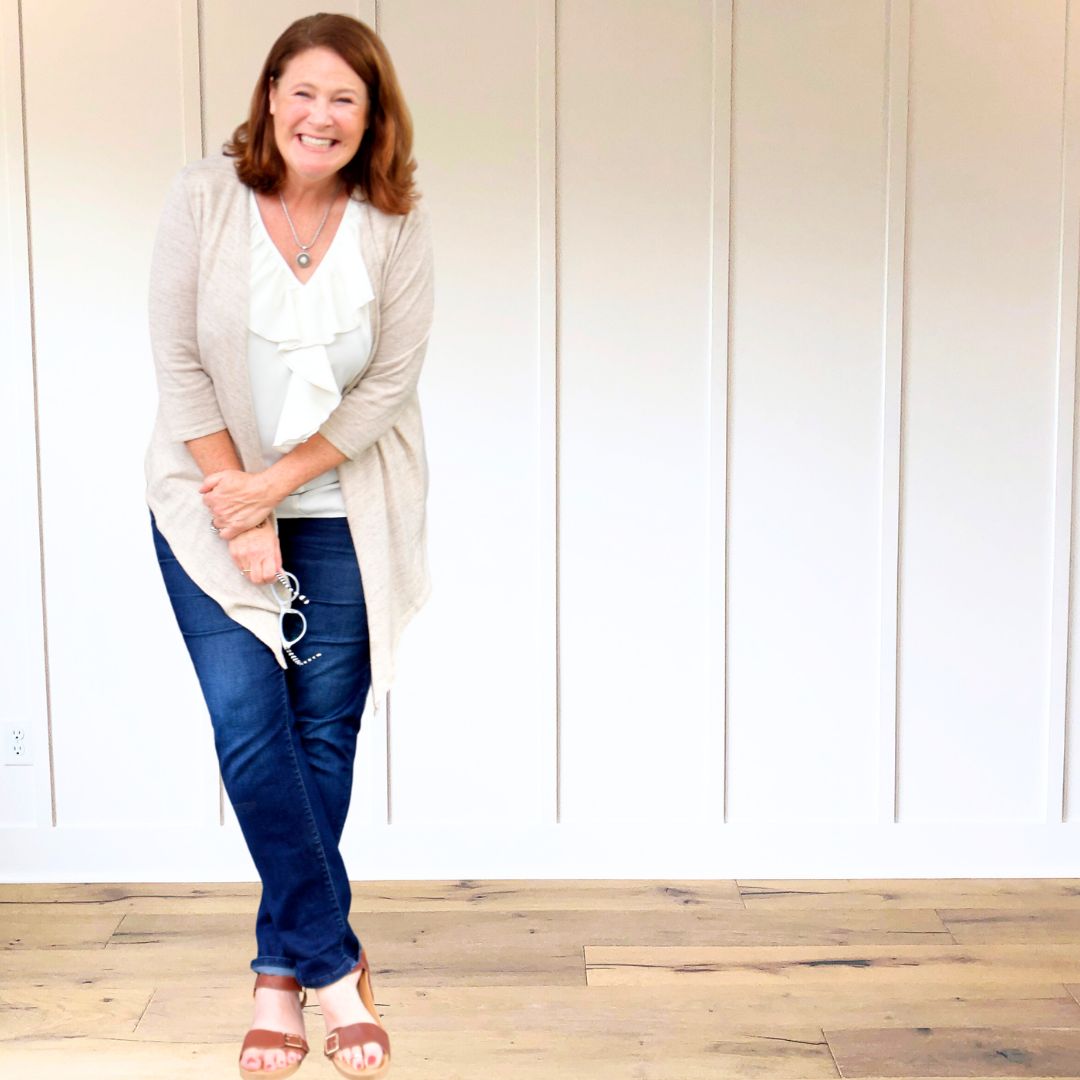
point(317, 143)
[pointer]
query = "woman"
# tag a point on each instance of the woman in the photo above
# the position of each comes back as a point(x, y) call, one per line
point(290, 307)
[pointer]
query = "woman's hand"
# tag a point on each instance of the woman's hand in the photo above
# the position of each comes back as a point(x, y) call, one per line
point(257, 553)
point(237, 500)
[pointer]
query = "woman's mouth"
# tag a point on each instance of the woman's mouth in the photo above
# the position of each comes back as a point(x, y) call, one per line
point(316, 143)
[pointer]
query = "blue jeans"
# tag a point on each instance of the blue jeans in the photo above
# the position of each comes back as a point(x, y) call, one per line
point(286, 742)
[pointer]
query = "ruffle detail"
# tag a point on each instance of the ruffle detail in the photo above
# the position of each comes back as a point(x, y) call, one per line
point(302, 318)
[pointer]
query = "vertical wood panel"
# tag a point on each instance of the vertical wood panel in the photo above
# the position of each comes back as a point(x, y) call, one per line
point(898, 58)
point(1062, 642)
point(805, 472)
point(25, 789)
point(984, 226)
point(475, 694)
point(105, 115)
point(714, 804)
point(635, 114)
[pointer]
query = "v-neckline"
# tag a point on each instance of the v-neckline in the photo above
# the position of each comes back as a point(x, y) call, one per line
point(277, 251)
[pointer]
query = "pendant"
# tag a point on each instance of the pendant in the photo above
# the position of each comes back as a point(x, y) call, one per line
point(304, 259)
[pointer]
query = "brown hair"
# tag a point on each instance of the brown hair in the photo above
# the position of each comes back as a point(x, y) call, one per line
point(383, 166)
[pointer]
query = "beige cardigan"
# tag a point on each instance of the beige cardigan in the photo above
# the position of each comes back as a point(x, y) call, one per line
point(199, 293)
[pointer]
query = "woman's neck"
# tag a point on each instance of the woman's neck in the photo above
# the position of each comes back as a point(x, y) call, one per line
point(300, 193)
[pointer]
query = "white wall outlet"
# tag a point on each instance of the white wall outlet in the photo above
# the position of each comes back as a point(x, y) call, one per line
point(15, 744)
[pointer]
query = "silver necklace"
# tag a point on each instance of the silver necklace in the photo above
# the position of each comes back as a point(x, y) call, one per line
point(304, 259)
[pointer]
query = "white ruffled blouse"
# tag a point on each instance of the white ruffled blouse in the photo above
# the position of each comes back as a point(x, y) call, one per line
point(306, 342)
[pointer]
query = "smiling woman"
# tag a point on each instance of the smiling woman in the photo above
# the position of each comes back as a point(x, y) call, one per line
point(291, 301)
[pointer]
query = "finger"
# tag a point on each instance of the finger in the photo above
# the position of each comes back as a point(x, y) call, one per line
point(264, 571)
point(273, 564)
point(210, 481)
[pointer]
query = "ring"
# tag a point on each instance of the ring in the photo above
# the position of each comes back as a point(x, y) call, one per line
point(247, 571)
point(213, 526)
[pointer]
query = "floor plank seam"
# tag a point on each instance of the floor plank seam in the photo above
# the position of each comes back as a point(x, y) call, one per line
point(144, 1010)
point(832, 1056)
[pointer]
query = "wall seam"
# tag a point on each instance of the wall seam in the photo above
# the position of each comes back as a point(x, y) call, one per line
point(710, 383)
point(717, 356)
point(37, 417)
point(200, 52)
point(729, 375)
point(894, 293)
point(1062, 535)
point(556, 301)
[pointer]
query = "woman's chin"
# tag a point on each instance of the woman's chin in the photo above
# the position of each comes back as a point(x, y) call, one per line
point(313, 171)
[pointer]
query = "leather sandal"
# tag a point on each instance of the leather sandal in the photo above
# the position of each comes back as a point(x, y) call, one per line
point(350, 1035)
point(265, 1039)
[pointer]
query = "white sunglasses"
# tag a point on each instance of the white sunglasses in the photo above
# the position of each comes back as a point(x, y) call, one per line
point(291, 586)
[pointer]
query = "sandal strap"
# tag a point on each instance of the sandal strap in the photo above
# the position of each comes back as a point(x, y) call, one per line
point(275, 982)
point(350, 1035)
point(264, 1039)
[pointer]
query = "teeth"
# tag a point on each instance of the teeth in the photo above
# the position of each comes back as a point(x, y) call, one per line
point(310, 140)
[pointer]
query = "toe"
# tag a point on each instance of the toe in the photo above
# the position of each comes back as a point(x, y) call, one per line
point(254, 1060)
point(372, 1054)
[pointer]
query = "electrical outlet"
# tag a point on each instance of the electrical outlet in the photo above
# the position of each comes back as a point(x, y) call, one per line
point(16, 744)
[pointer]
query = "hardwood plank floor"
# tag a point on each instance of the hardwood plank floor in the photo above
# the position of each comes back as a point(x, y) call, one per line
point(594, 980)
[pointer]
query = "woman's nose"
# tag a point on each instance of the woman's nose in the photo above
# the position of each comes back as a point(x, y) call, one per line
point(320, 112)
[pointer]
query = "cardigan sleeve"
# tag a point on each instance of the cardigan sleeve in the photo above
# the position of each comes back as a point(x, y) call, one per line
point(369, 409)
point(188, 403)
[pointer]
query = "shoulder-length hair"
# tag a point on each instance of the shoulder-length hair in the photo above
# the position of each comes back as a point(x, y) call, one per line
point(383, 165)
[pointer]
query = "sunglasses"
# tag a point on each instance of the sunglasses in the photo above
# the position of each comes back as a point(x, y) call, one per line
point(286, 589)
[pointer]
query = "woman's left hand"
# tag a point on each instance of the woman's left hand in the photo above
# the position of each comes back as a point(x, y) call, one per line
point(237, 500)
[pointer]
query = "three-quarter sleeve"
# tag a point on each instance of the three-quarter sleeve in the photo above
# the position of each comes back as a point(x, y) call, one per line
point(188, 403)
point(370, 408)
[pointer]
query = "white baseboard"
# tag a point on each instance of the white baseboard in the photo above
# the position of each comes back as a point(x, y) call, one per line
point(617, 850)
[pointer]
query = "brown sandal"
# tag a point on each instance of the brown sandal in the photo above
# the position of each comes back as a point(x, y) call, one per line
point(265, 1039)
point(350, 1035)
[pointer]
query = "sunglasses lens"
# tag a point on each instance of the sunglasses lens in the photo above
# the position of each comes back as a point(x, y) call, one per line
point(293, 627)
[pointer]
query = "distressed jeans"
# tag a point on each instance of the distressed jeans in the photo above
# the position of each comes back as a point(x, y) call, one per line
point(286, 742)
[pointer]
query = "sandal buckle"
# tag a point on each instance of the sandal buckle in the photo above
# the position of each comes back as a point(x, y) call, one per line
point(294, 1040)
point(332, 1037)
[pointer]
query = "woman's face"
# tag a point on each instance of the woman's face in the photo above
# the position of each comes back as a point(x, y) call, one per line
point(320, 109)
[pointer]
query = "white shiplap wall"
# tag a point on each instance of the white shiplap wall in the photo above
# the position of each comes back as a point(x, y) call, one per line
point(749, 409)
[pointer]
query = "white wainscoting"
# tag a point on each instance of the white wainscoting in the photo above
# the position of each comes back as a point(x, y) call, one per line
point(750, 408)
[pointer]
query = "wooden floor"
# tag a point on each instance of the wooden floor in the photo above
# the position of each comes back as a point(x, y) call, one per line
point(594, 980)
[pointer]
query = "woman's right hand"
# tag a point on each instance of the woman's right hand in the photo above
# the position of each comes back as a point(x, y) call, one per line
point(257, 552)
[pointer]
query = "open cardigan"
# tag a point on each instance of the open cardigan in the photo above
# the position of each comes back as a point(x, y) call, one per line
point(199, 301)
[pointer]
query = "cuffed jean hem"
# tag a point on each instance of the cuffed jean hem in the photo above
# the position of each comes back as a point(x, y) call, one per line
point(273, 965)
point(317, 981)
